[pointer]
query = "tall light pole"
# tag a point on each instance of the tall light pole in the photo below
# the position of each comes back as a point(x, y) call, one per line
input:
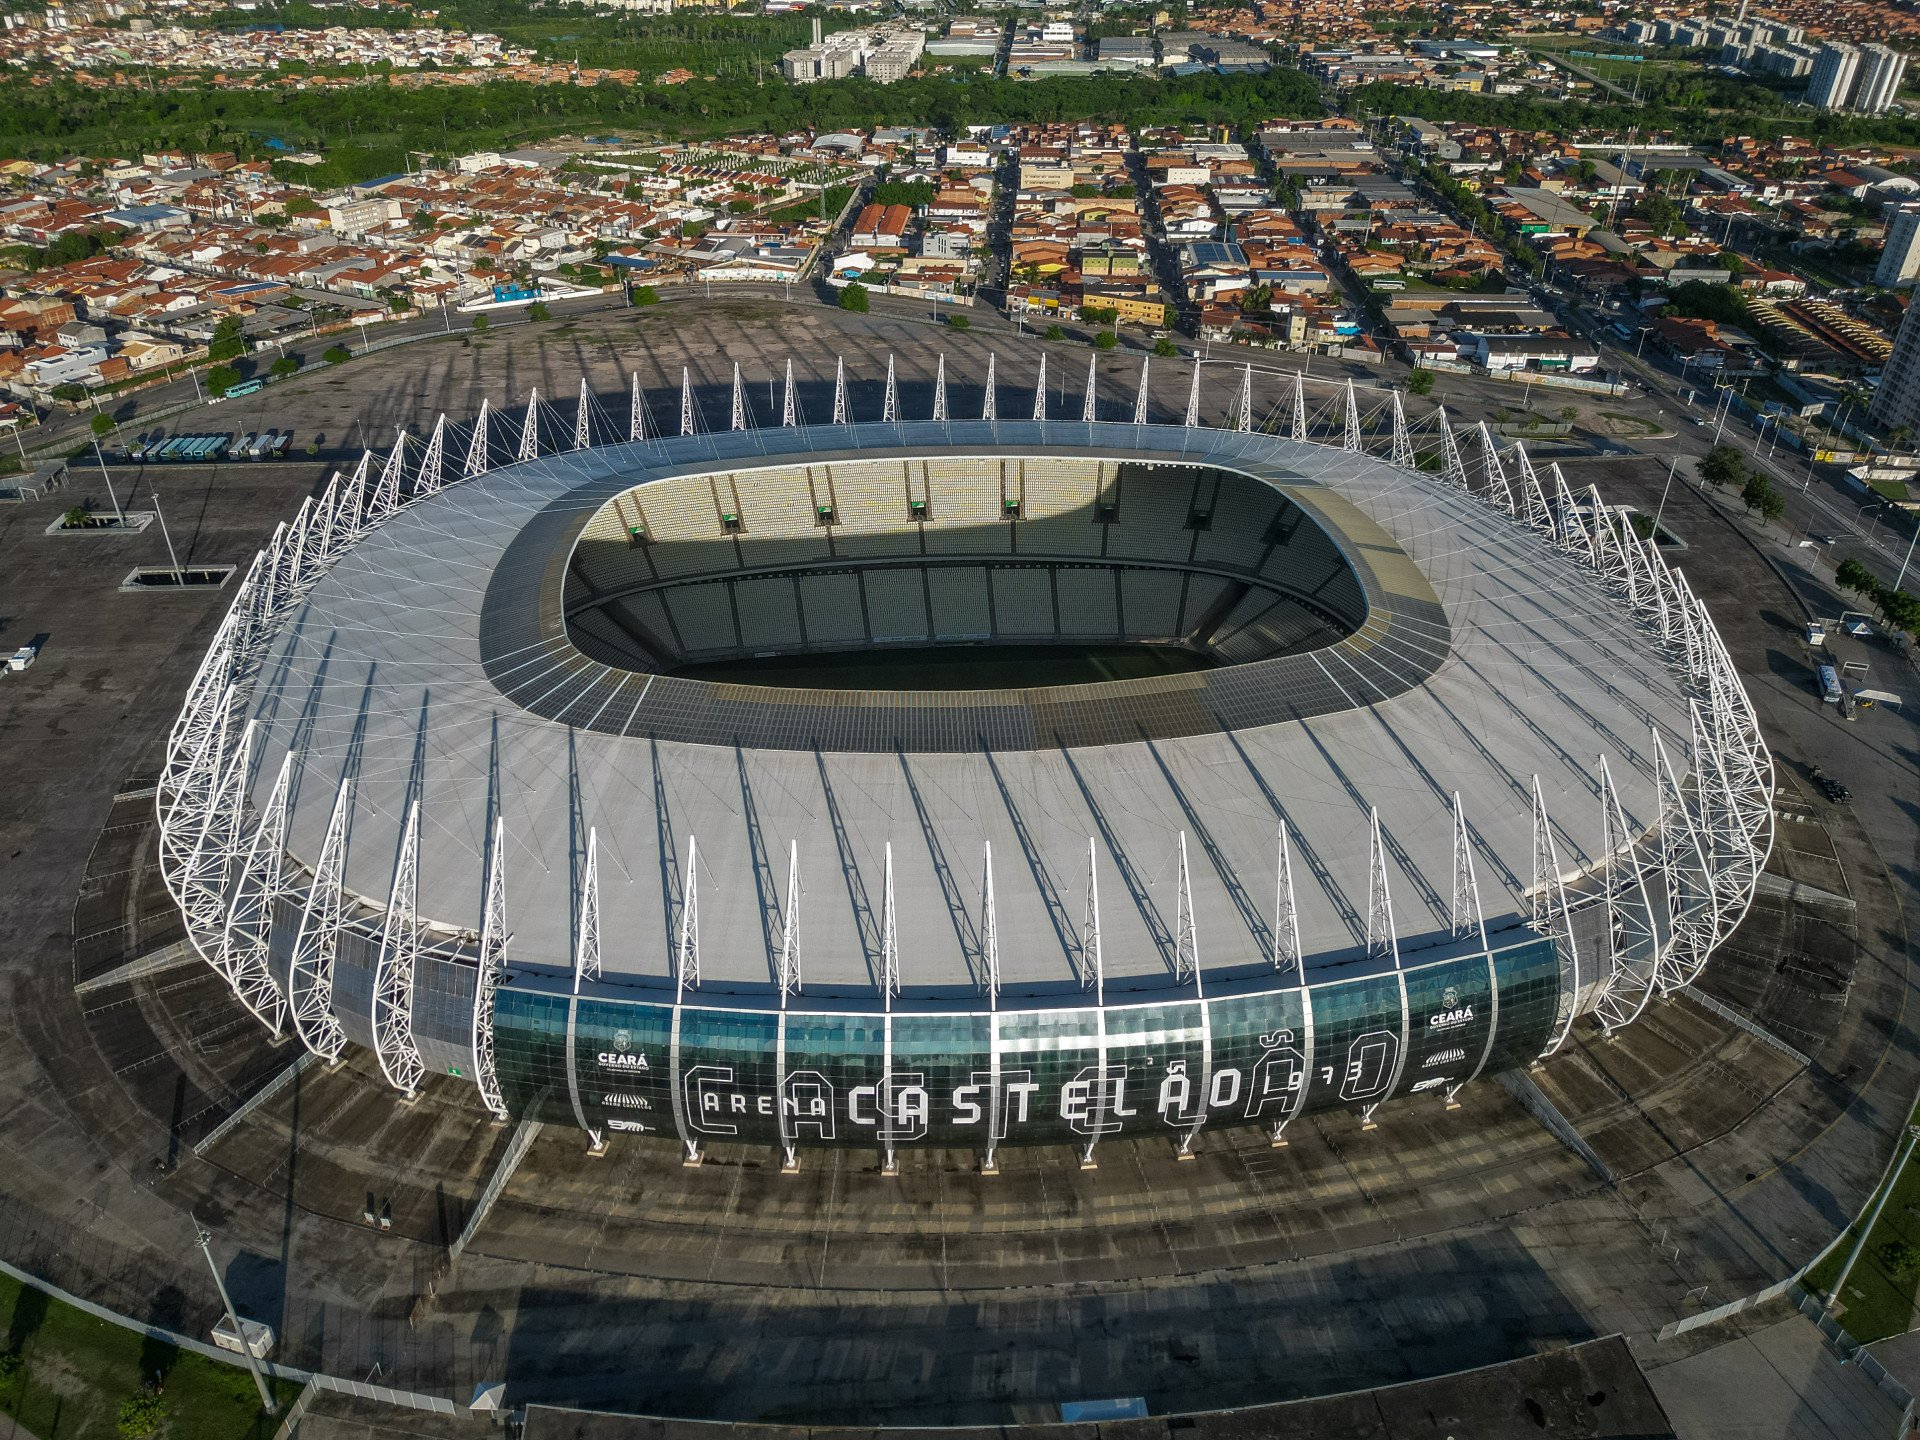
point(179, 575)
point(205, 1241)
point(1909, 559)
point(118, 513)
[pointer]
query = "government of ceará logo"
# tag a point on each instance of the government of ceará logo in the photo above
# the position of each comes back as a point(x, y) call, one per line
point(1449, 1000)
point(623, 1040)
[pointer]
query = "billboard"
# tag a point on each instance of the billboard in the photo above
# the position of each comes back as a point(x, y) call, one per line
point(810, 1076)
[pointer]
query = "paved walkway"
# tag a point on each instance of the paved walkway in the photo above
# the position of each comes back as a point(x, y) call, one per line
point(1781, 1383)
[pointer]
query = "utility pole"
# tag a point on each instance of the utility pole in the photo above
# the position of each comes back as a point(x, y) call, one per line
point(205, 1240)
point(179, 576)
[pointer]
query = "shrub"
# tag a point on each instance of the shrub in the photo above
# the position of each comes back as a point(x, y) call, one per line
point(220, 378)
point(336, 355)
point(140, 1415)
point(1053, 332)
point(539, 311)
point(283, 367)
point(959, 322)
point(1165, 349)
point(1105, 340)
point(1900, 1257)
point(101, 425)
point(77, 518)
point(480, 323)
point(646, 295)
point(853, 296)
point(1420, 382)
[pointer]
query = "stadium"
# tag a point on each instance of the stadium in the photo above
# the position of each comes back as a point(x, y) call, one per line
point(959, 782)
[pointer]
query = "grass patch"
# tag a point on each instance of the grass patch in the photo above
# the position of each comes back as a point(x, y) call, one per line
point(74, 1372)
point(1639, 424)
point(1892, 489)
point(1879, 1295)
point(802, 211)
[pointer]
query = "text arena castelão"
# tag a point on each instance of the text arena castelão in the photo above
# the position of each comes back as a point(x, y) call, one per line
point(1466, 762)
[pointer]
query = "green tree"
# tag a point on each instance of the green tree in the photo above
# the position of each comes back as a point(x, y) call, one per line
point(1165, 349)
point(1771, 505)
point(399, 304)
point(1902, 610)
point(958, 322)
point(480, 324)
point(1722, 466)
point(1854, 576)
point(101, 425)
point(336, 355)
point(227, 343)
point(538, 311)
point(853, 297)
point(283, 367)
point(1420, 382)
point(78, 518)
point(70, 391)
point(645, 295)
point(222, 378)
point(1105, 340)
point(1053, 332)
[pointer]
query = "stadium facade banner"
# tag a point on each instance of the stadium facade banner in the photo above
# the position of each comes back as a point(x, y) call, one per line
point(1056, 1076)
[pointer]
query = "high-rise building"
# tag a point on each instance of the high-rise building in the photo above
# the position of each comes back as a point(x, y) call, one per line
point(1833, 72)
point(1878, 82)
point(1900, 261)
point(1897, 401)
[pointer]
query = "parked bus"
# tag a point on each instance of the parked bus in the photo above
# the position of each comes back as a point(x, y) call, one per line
point(1829, 679)
point(245, 387)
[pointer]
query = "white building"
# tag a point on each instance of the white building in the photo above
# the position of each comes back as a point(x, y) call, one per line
point(1833, 75)
point(1900, 261)
point(1878, 81)
point(1897, 402)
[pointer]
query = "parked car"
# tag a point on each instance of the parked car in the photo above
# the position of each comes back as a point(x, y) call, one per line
point(1830, 787)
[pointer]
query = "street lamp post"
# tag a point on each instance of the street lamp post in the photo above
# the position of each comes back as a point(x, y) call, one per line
point(118, 513)
point(205, 1241)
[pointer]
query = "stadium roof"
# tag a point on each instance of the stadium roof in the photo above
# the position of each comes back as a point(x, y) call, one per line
point(380, 677)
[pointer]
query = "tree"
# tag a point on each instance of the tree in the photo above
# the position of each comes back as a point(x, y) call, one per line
point(480, 323)
point(283, 367)
point(1420, 382)
point(539, 311)
point(1105, 340)
point(336, 355)
point(78, 518)
point(1772, 505)
point(222, 378)
point(646, 295)
point(1165, 349)
point(958, 322)
point(1755, 491)
point(1901, 609)
point(399, 304)
point(1854, 576)
point(70, 391)
point(1053, 332)
point(1900, 1257)
point(226, 343)
point(853, 297)
point(1722, 466)
point(101, 425)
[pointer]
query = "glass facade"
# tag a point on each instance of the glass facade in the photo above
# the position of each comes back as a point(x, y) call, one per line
point(1063, 1076)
